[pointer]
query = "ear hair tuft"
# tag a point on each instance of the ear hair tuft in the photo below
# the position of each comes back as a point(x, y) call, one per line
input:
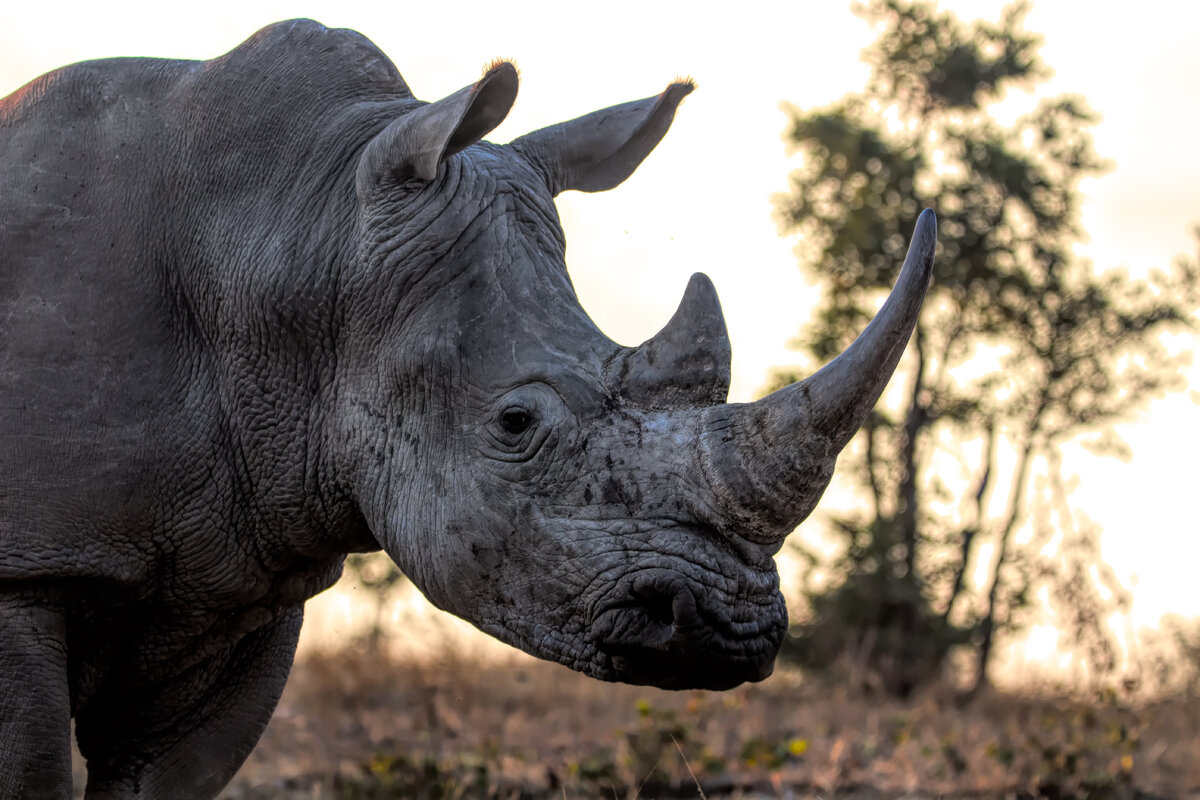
point(496, 63)
point(686, 80)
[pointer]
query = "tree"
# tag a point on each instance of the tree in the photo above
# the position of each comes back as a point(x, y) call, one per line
point(1021, 347)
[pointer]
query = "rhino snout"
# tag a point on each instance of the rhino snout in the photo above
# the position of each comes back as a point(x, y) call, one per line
point(670, 633)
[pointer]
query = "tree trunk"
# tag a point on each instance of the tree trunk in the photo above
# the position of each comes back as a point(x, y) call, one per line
point(1015, 508)
point(969, 534)
point(915, 422)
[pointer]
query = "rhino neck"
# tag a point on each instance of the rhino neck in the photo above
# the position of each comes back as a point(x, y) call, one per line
point(258, 266)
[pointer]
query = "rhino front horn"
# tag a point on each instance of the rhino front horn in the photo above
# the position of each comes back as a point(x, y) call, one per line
point(773, 459)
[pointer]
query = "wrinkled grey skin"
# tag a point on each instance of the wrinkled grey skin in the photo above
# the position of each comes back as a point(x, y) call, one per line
point(262, 311)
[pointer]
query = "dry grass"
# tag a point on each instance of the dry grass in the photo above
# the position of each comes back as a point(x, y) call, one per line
point(356, 725)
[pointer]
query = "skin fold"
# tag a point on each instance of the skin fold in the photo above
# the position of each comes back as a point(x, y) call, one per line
point(260, 312)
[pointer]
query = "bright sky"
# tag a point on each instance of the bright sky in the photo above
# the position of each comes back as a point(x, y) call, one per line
point(702, 201)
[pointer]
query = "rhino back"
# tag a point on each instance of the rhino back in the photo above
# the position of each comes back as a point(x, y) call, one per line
point(165, 227)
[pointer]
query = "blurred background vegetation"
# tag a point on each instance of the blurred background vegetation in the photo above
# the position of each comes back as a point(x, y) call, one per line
point(965, 532)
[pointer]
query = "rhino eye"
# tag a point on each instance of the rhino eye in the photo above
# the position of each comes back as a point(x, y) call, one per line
point(521, 421)
point(516, 420)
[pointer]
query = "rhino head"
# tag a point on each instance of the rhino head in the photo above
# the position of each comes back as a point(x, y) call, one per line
point(596, 505)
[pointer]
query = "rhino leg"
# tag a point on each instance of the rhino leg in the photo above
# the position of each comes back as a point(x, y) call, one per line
point(188, 737)
point(35, 700)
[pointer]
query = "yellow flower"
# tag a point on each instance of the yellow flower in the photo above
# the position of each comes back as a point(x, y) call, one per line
point(380, 765)
point(798, 746)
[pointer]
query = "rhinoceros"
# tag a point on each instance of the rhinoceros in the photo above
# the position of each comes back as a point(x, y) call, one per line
point(260, 312)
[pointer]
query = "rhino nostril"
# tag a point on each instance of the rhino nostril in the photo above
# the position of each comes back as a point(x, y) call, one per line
point(659, 610)
point(669, 606)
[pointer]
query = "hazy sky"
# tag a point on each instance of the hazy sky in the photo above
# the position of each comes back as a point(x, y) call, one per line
point(702, 201)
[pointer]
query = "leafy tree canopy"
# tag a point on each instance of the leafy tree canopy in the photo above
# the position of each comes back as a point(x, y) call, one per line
point(1021, 346)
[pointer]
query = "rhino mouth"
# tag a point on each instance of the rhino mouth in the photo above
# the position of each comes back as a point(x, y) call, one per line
point(667, 633)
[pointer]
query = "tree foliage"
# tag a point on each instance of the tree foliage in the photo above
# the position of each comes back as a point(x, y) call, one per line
point(1021, 347)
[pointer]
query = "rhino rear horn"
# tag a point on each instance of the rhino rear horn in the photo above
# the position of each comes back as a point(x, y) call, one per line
point(594, 153)
point(416, 143)
point(688, 361)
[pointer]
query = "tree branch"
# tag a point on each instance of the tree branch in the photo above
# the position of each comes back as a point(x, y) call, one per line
point(872, 478)
point(1015, 509)
point(969, 534)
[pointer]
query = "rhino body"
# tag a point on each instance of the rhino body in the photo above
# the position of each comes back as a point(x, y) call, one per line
point(260, 312)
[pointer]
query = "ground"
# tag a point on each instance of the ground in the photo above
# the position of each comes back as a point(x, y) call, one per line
point(452, 722)
point(357, 724)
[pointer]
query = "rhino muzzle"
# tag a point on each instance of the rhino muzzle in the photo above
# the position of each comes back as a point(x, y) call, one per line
point(668, 633)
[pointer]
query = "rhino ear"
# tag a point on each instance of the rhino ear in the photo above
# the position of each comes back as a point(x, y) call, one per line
point(416, 143)
point(596, 152)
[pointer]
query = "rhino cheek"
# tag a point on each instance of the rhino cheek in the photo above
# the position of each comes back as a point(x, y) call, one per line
point(497, 572)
